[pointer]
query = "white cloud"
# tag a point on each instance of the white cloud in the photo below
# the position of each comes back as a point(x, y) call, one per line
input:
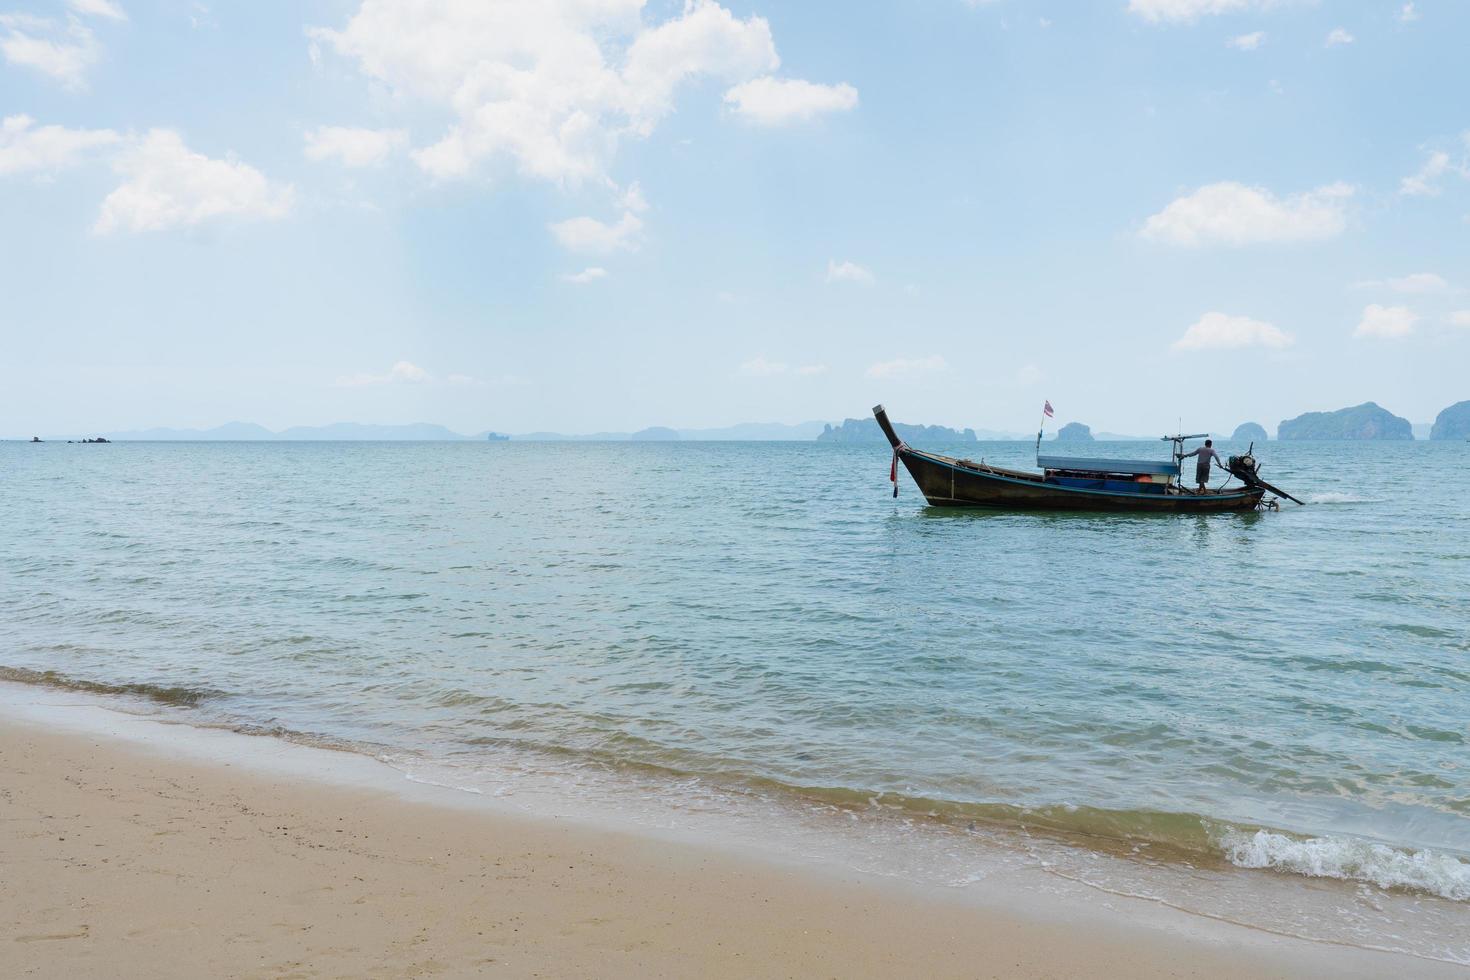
point(590, 274)
point(98, 8)
point(1388, 322)
point(1418, 282)
point(1219, 331)
point(550, 86)
point(26, 147)
point(64, 52)
point(353, 147)
point(632, 199)
point(809, 370)
point(847, 272)
point(1247, 42)
point(1460, 318)
point(590, 235)
point(403, 372)
point(1408, 14)
point(1425, 183)
point(1337, 37)
point(776, 101)
point(906, 367)
point(1187, 11)
point(167, 185)
point(1230, 213)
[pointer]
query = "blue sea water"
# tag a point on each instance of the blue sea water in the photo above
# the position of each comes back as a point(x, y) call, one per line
point(1287, 691)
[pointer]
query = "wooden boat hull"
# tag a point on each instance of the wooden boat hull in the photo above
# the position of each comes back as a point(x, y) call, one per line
point(947, 482)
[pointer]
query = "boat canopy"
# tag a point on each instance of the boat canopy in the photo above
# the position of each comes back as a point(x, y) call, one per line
point(1084, 464)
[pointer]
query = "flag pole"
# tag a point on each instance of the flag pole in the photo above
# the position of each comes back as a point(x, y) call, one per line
point(1041, 428)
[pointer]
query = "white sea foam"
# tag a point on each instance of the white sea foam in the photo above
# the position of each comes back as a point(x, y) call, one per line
point(1351, 859)
point(1336, 497)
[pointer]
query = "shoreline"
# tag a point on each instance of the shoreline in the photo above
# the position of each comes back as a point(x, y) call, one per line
point(242, 854)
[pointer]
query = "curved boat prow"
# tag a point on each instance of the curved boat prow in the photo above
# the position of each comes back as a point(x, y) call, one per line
point(881, 414)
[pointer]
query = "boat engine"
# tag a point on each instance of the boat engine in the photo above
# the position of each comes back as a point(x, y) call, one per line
point(1245, 469)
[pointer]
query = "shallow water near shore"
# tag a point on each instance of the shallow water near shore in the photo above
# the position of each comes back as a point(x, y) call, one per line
point(758, 636)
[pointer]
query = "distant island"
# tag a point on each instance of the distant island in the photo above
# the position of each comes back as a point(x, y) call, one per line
point(1452, 423)
point(866, 430)
point(337, 432)
point(427, 432)
point(743, 431)
point(655, 433)
point(1365, 421)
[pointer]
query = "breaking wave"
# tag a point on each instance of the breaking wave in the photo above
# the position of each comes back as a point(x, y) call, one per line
point(1337, 497)
point(1351, 859)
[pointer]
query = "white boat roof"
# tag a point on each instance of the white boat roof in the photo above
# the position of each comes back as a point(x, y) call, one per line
point(1090, 464)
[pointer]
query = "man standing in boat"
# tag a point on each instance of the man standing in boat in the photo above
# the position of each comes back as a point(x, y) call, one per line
point(1206, 453)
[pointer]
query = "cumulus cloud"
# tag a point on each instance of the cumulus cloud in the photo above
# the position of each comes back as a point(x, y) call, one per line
point(590, 235)
point(64, 52)
point(1219, 331)
point(1407, 14)
point(1387, 322)
point(1229, 213)
point(587, 275)
point(777, 101)
point(1187, 11)
point(847, 272)
point(1426, 182)
point(167, 185)
point(1338, 37)
point(1247, 42)
point(98, 8)
point(1415, 282)
point(906, 367)
point(28, 148)
point(353, 147)
point(632, 199)
point(403, 372)
point(549, 86)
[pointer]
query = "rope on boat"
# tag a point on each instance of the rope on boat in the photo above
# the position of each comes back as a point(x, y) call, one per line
point(893, 469)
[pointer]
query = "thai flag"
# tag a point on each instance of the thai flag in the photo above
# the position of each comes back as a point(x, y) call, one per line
point(1047, 411)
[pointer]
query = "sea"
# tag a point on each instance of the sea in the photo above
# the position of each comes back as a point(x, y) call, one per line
point(1259, 717)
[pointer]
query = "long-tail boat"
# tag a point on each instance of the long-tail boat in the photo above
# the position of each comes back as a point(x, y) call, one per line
point(1075, 483)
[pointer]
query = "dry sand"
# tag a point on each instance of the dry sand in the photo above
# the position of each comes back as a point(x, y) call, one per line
point(124, 860)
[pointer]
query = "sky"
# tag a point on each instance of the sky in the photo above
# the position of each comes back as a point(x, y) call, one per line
point(583, 215)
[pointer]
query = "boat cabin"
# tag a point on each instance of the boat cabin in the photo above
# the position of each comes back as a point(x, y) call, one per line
point(1120, 475)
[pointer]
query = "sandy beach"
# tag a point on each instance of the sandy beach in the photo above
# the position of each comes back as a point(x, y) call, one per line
point(123, 857)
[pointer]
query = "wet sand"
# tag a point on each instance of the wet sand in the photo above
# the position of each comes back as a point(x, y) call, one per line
point(126, 858)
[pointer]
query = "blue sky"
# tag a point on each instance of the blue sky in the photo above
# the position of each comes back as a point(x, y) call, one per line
point(601, 214)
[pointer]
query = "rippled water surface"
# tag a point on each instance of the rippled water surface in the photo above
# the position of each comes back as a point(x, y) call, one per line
point(766, 618)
